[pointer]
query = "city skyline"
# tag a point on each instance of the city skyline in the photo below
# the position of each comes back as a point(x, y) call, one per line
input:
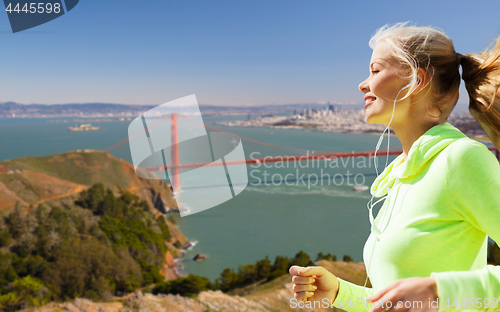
point(228, 54)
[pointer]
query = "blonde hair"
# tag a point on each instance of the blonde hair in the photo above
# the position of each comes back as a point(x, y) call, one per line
point(430, 49)
point(481, 73)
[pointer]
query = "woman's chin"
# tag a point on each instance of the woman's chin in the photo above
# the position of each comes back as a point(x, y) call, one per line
point(369, 118)
point(370, 115)
point(373, 120)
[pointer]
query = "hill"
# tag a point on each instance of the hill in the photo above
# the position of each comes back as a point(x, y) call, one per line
point(34, 180)
point(83, 223)
point(272, 296)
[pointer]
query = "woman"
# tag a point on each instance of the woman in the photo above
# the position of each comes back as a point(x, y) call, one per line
point(429, 239)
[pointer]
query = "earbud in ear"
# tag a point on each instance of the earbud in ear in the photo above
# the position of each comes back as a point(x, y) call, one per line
point(409, 85)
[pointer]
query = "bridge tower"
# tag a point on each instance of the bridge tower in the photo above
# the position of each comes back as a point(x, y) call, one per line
point(175, 154)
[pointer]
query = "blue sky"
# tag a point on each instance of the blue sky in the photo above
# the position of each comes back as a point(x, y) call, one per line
point(226, 52)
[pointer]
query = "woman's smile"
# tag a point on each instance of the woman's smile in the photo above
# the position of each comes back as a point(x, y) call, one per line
point(369, 100)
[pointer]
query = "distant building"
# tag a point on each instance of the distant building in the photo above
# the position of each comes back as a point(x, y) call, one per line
point(330, 107)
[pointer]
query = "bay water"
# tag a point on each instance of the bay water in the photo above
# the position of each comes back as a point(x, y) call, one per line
point(274, 215)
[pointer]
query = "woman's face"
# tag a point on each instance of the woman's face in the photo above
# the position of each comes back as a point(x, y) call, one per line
point(382, 86)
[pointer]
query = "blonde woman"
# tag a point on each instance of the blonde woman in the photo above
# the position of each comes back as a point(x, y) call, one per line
point(427, 249)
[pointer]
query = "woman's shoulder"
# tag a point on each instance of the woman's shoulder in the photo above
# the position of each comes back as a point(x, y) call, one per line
point(472, 179)
point(470, 153)
point(468, 145)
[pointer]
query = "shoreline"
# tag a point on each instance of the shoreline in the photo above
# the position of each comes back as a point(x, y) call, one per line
point(177, 268)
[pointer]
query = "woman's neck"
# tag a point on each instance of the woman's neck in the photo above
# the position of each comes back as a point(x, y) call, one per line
point(410, 132)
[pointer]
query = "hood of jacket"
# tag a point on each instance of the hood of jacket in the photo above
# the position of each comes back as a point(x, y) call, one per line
point(423, 150)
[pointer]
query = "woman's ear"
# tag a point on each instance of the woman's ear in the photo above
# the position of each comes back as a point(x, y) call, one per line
point(422, 79)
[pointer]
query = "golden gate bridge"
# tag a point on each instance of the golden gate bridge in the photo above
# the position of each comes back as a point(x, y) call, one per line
point(274, 153)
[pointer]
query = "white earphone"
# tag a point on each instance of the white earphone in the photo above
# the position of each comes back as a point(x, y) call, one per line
point(408, 85)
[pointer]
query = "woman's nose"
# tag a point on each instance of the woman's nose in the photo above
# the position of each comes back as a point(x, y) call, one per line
point(363, 87)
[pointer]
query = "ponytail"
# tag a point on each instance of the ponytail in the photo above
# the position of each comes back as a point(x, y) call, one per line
point(481, 74)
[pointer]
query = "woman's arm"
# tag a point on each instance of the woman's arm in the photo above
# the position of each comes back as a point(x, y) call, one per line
point(352, 297)
point(473, 180)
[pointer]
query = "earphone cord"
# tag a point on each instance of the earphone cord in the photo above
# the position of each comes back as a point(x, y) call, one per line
point(370, 203)
point(388, 137)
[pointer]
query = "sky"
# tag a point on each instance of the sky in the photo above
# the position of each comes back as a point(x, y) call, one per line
point(227, 52)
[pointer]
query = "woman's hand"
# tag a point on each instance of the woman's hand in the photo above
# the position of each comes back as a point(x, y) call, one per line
point(314, 283)
point(409, 294)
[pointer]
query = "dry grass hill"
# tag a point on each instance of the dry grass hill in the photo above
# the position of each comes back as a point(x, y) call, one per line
point(273, 296)
point(34, 180)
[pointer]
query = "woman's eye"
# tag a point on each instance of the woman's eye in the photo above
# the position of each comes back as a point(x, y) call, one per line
point(374, 71)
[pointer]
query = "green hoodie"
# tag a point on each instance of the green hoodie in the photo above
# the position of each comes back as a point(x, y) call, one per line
point(441, 204)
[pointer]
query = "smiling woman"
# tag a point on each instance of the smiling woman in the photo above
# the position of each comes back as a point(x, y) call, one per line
point(441, 201)
point(382, 86)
